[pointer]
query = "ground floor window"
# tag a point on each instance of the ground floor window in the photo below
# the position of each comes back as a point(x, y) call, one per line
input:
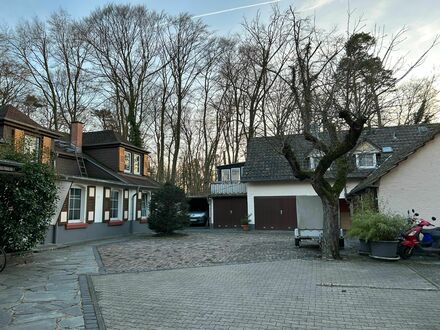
point(75, 199)
point(145, 205)
point(114, 204)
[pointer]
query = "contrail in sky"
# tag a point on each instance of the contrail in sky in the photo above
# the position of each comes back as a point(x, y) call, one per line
point(235, 8)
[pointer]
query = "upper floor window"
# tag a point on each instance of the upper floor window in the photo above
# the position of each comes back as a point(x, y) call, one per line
point(235, 174)
point(137, 164)
point(366, 160)
point(32, 145)
point(127, 162)
point(226, 174)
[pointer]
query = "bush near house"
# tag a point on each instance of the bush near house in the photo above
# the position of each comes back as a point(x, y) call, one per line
point(27, 203)
point(169, 210)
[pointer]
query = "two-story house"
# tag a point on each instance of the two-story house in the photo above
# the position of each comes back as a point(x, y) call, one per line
point(104, 187)
point(398, 165)
point(227, 202)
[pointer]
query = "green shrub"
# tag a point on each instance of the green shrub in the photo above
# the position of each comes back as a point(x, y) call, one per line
point(27, 205)
point(245, 220)
point(169, 210)
point(374, 226)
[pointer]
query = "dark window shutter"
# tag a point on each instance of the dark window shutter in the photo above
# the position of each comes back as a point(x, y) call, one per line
point(106, 204)
point(64, 208)
point(90, 208)
point(125, 205)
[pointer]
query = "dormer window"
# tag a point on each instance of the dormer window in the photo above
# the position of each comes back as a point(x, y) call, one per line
point(366, 155)
point(366, 160)
point(314, 158)
point(313, 162)
point(32, 146)
point(127, 162)
point(137, 164)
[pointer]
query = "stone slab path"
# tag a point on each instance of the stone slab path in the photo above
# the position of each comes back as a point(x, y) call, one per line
point(45, 294)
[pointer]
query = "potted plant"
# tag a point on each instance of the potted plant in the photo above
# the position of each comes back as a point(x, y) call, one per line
point(359, 229)
point(380, 232)
point(245, 223)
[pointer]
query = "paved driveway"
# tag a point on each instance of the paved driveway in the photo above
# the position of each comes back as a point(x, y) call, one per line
point(300, 294)
point(216, 279)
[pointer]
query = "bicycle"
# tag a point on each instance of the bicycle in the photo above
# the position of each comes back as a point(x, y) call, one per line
point(2, 259)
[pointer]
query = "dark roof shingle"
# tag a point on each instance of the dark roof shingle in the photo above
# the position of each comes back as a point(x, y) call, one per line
point(265, 161)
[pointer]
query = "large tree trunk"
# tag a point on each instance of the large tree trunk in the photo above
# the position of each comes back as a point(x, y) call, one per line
point(330, 241)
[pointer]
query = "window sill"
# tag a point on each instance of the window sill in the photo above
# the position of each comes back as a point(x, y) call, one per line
point(115, 223)
point(76, 225)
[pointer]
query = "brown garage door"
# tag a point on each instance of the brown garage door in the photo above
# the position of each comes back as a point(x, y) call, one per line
point(229, 211)
point(275, 212)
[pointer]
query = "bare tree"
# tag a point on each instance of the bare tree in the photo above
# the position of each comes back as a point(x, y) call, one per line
point(184, 42)
point(125, 44)
point(332, 83)
point(413, 102)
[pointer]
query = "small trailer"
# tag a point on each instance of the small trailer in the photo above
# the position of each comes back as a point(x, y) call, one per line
point(310, 220)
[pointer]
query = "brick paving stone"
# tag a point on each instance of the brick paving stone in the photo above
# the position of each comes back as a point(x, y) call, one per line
point(297, 293)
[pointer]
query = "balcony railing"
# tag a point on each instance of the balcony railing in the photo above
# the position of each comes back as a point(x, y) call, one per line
point(228, 188)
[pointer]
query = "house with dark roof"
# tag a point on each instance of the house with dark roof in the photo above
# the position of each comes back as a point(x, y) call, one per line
point(104, 187)
point(227, 199)
point(400, 166)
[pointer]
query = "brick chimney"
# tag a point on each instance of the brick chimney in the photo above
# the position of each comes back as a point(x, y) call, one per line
point(76, 134)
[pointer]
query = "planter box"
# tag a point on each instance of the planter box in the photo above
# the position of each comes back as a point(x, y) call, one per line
point(364, 247)
point(386, 250)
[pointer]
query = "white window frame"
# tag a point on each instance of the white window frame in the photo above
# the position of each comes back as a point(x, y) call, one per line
point(148, 198)
point(313, 162)
point(223, 172)
point(137, 158)
point(365, 154)
point(129, 163)
point(238, 172)
point(119, 215)
point(32, 145)
point(82, 210)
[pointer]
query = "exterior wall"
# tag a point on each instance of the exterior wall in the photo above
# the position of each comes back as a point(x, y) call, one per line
point(58, 233)
point(94, 231)
point(414, 184)
point(282, 189)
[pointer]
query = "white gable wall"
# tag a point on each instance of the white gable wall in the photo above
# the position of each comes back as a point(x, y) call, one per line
point(255, 189)
point(414, 184)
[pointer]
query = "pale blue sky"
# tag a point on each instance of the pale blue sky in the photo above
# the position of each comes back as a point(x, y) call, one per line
point(421, 17)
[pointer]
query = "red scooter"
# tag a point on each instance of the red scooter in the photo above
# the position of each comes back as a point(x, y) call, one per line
point(411, 238)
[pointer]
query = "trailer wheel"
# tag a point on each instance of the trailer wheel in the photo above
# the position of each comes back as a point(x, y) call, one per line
point(297, 242)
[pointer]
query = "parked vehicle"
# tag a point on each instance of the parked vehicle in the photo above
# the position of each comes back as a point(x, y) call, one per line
point(198, 217)
point(417, 238)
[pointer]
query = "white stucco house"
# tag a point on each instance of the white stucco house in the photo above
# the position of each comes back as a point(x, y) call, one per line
point(399, 166)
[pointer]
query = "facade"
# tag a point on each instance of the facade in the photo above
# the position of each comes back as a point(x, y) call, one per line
point(228, 202)
point(393, 164)
point(103, 180)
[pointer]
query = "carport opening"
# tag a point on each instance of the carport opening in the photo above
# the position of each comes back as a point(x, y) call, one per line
point(199, 204)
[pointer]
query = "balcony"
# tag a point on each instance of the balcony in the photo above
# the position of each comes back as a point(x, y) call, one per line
point(228, 188)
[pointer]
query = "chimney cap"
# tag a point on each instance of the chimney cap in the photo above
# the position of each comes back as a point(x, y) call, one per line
point(77, 122)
